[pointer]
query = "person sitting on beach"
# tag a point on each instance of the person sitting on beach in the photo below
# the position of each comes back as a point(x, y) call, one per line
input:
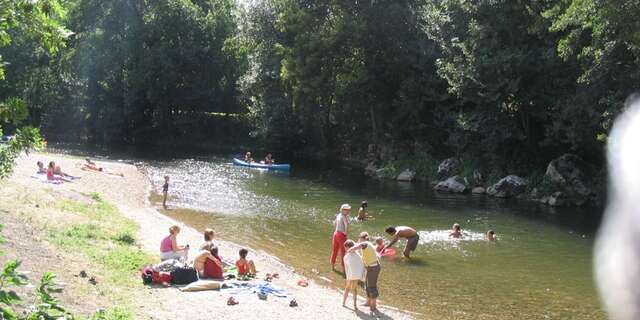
point(51, 173)
point(363, 213)
point(209, 235)
point(58, 170)
point(165, 191)
point(41, 169)
point(245, 267)
point(208, 263)
point(456, 231)
point(491, 235)
point(403, 232)
point(247, 157)
point(169, 248)
point(268, 159)
point(372, 265)
point(379, 245)
point(354, 272)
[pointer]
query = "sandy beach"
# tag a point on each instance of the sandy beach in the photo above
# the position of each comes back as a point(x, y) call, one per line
point(25, 198)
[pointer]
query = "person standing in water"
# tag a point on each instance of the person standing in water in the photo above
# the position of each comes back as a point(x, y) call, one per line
point(341, 227)
point(363, 213)
point(403, 232)
point(165, 191)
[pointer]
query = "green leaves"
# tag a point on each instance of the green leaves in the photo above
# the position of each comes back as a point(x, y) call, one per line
point(13, 110)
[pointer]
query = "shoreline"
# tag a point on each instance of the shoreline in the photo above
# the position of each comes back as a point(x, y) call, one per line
point(131, 196)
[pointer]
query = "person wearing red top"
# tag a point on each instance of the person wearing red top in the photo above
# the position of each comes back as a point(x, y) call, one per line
point(245, 267)
point(208, 263)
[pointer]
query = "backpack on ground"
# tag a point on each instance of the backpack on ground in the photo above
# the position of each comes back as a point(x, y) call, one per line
point(184, 276)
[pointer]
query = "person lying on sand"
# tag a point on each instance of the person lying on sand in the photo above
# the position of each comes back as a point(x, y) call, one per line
point(169, 248)
point(51, 173)
point(403, 232)
point(245, 267)
point(456, 231)
point(208, 263)
point(41, 168)
point(58, 170)
point(91, 166)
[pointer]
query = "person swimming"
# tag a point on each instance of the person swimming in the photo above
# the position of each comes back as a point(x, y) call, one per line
point(456, 231)
point(363, 212)
point(491, 235)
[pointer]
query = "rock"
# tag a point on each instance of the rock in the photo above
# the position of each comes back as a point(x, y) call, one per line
point(558, 199)
point(370, 169)
point(406, 175)
point(568, 175)
point(478, 190)
point(508, 186)
point(452, 185)
point(448, 167)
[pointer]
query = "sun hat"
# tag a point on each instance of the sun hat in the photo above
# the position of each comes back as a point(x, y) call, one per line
point(345, 206)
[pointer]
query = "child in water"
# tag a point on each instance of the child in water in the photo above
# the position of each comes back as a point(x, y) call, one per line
point(363, 213)
point(456, 231)
point(165, 190)
point(245, 267)
point(491, 235)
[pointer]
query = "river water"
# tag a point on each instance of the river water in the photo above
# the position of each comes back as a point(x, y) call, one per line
point(540, 267)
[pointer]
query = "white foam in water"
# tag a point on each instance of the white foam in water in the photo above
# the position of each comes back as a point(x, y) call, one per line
point(439, 236)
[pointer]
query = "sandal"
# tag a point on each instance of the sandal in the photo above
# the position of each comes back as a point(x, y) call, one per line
point(303, 283)
point(232, 301)
point(262, 296)
point(293, 303)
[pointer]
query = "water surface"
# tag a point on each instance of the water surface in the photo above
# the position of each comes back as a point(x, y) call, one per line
point(540, 268)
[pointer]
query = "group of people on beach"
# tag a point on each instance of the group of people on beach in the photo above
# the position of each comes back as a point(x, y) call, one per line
point(207, 262)
point(360, 259)
point(56, 175)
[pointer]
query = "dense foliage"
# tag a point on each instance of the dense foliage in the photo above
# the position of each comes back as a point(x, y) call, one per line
point(505, 84)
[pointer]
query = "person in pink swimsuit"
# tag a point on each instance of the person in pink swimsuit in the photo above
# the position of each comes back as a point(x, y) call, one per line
point(169, 248)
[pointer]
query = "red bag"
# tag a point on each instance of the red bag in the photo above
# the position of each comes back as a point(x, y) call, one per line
point(161, 277)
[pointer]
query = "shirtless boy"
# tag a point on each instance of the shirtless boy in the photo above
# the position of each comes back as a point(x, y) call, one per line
point(405, 232)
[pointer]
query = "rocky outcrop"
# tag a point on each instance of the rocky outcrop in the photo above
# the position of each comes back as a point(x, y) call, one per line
point(568, 175)
point(448, 168)
point(508, 186)
point(452, 185)
point(557, 199)
point(406, 175)
point(478, 190)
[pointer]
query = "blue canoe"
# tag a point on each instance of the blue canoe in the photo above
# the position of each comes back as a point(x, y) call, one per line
point(282, 167)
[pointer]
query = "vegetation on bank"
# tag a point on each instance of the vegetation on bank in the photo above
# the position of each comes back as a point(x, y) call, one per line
point(508, 85)
point(102, 235)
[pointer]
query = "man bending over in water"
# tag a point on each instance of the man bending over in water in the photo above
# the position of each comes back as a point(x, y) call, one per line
point(403, 232)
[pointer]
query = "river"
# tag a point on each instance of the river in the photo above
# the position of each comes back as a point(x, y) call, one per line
point(540, 267)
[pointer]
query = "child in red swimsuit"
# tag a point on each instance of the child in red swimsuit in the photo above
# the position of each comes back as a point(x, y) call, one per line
point(245, 267)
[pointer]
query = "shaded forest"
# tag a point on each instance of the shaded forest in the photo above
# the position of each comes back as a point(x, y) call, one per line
point(504, 85)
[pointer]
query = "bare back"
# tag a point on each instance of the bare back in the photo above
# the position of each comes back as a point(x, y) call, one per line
point(405, 232)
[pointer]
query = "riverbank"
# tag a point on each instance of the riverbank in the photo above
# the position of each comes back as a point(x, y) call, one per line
point(31, 210)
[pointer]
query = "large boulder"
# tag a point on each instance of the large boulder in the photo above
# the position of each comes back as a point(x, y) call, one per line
point(406, 175)
point(568, 176)
point(453, 185)
point(448, 168)
point(478, 190)
point(508, 186)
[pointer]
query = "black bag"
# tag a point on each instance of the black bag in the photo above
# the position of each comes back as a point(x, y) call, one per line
point(184, 276)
